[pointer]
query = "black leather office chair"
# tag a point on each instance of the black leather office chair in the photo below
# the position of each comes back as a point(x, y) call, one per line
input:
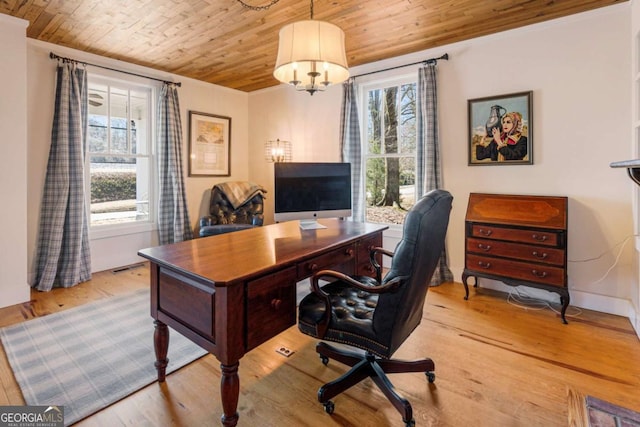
point(377, 315)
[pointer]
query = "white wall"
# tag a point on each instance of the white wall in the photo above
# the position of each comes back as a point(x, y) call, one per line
point(13, 162)
point(110, 252)
point(311, 123)
point(577, 68)
point(635, 147)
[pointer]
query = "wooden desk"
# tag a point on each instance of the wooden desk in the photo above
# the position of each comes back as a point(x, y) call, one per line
point(231, 292)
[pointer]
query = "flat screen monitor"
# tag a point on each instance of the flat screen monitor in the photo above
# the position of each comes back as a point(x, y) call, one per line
point(308, 191)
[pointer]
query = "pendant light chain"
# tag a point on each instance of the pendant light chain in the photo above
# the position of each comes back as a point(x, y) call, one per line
point(311, 9)
point(258, 8)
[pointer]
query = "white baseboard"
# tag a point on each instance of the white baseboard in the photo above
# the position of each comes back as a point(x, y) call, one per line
point(603, 303)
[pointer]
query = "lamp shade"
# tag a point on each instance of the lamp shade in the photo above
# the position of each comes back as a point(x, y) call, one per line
point(277, 151)
point(311, 55)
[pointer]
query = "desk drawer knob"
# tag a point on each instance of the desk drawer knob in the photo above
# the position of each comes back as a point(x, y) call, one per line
point(484, 232)
point(538, 237)
point(485, 248)
point(484, 264)
point(540, 274)
point(275, 303)
point(349, 252)
point(312, 267)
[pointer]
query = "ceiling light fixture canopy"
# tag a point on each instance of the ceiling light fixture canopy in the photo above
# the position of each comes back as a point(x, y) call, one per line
point(311, 55)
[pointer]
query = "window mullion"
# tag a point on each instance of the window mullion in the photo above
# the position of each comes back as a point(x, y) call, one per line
point(108, 119)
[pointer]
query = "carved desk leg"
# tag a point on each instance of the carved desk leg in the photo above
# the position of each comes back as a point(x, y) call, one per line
point(230, 391)
point(161, 346)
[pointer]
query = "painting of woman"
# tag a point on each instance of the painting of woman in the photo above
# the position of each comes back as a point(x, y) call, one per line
point(500, 130)
point(507, 143)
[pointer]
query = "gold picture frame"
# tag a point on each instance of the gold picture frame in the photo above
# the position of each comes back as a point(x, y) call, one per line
point(209, 144)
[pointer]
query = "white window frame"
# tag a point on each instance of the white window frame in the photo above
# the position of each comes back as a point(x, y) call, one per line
point(395, 230)
point(112, 230)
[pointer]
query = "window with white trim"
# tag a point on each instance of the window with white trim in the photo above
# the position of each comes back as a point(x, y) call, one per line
point(119, 156)
point(389, 149)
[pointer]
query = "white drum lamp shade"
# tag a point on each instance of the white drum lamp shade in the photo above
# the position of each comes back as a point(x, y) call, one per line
point(311, 55)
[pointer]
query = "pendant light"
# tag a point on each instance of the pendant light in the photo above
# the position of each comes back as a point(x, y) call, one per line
point(311, 55)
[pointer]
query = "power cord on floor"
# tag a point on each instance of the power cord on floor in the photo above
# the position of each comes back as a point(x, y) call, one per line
point(520, 299)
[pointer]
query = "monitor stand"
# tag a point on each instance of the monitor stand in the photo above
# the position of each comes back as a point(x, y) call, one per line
point(310, 224)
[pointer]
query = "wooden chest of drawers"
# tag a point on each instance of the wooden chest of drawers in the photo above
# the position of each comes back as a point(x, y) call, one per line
point(518, 240)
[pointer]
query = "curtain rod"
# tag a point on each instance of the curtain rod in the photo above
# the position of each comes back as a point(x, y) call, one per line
point(426, 61)
point(54, 56)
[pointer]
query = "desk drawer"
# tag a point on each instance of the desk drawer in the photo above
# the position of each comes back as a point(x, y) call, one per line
point(532, 236)
point(188, 301)
point(519, 251)
point(271, 306)
point(363, 266)
point(335, 260)
point(517, 270)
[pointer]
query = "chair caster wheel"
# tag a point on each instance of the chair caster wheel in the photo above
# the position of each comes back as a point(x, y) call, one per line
point(411, 423)
point(325, 360)
point(431, 376)
point(329, 407)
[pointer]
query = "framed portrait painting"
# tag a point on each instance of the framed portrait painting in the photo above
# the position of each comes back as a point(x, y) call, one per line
point(209, 144)
point(501, 130)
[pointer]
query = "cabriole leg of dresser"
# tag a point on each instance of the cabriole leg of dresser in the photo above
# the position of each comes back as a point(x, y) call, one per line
point(465, 276)
point(564, 300)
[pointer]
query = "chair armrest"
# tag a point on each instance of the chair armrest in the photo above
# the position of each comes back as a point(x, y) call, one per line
point(374, 263)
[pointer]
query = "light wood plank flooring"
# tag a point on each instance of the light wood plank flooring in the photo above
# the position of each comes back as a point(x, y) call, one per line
point(496, 365)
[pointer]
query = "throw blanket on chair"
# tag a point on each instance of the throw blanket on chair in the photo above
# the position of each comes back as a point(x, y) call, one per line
point(239, 192)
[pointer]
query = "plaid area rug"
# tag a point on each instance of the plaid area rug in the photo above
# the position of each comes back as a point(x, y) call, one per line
point(605, 414)
point(91, 356)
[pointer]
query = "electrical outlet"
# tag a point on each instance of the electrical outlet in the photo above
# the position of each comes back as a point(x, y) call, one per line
point(284, 351)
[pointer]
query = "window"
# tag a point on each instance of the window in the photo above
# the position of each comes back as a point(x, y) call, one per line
point(390, 150)
point(119, 158)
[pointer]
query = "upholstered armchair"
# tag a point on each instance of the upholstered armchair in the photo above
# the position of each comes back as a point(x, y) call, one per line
point(234, 206)
point(378, 314)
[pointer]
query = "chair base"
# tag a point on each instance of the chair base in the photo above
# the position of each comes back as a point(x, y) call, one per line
point(370, 366)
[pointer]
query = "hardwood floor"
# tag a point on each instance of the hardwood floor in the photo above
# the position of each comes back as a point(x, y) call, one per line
point(496, 365)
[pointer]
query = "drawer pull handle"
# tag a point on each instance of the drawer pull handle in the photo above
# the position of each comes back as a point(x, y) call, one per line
point(312, 267)
point(538, 237)
point(349, 252)
point(485, 248)
point(542, 255)
point(484, 264)
point(540, 274)
point(484, 232)
point(275, 303)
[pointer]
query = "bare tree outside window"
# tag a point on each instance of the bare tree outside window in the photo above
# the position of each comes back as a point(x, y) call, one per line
point(390, 152)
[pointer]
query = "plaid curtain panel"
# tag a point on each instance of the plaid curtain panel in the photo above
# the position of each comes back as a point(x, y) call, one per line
point(428, 167)
point(62, 254)
point(351, 147)
point(173, 217)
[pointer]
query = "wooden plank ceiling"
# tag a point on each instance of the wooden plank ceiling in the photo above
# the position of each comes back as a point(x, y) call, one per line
point(222, 42)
